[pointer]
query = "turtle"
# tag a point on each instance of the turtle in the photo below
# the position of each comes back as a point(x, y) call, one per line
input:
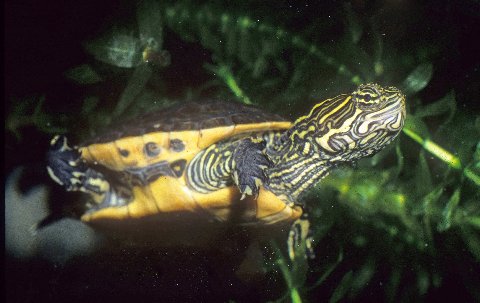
point(224, 160)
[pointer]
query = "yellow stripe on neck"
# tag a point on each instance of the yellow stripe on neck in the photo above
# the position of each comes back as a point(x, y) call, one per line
point(322, 120)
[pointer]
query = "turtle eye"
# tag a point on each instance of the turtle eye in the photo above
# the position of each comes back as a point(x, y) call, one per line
point(368, 95)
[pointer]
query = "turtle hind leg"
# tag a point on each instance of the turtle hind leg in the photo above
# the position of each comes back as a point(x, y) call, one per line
point(66, 167)
point(300, 239)
point(250, 162)
point(64, 164)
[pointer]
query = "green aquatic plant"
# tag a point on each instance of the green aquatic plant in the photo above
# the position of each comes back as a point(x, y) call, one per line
point(29, 112)
point(382, 197)
point(391, 225)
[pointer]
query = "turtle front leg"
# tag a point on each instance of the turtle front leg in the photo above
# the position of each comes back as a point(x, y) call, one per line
point(249, 164)
point(66, 167)
point(241, 161)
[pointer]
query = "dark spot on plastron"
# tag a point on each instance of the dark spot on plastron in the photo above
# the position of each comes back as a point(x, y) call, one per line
point(178, 167)
point(142, 176)
point(152, 149)
point(123, 152)
point(177, 145)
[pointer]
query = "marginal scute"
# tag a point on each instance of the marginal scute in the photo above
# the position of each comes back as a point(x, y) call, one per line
point(187, 116)
point(209, 135)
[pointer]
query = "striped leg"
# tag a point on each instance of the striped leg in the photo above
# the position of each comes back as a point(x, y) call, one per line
point(241, 162)
point(300, 239)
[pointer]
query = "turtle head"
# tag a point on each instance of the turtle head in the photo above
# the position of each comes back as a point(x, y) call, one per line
point(341, 129)
point(376, 116)
point(352, 126)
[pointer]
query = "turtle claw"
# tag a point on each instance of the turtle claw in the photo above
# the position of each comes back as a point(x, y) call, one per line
point(248, 191)
point(250, 163)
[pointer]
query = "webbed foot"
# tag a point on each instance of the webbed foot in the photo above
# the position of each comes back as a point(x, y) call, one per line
point(65, 165)
point(249, 165)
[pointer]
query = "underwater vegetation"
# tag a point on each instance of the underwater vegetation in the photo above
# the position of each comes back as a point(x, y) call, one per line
point(401, 226)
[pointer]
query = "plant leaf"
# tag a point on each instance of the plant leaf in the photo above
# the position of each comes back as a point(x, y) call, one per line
point(149, 19)
point(89, 105)
point(135, 86)
point(342, 288)
point(363, 276)
point(423, 177)
point(354, 26)
point(328, 271)
point(117, 48)
point(417, 79)
point(472, 240)
point(446, 104)
point(423, 281)
point(415, 124)
point(83, 74)
point(448, 211)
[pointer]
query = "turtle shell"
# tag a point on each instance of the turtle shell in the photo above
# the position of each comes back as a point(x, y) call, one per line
point(175, 133)
point(166, 141)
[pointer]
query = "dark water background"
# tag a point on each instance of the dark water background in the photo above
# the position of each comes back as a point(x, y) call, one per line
point(44, 40)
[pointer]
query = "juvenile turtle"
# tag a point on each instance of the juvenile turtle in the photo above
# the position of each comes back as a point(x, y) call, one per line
point(225, 160)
